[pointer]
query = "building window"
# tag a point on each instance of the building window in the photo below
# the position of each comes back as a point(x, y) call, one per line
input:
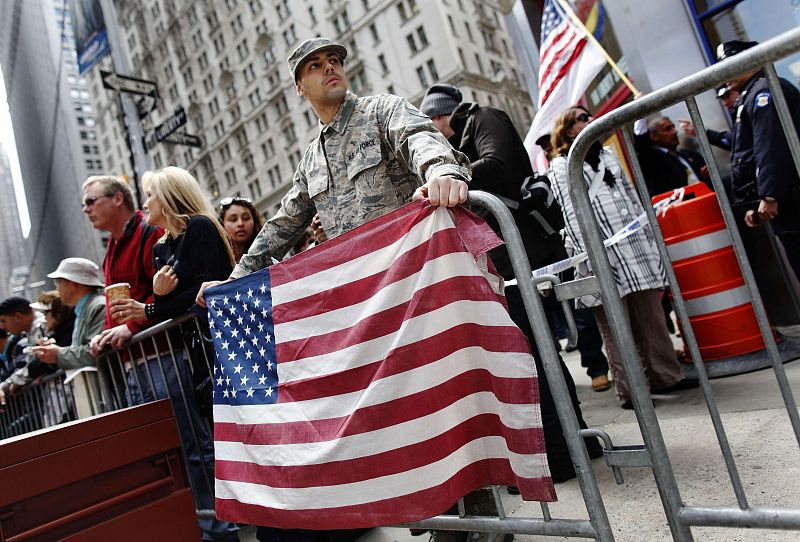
point(382, 62)
point(230, 178)
point(358, 81)
point(469, 31)
point(423, 39)
point(219, 44)
point(452, 26)
point(478, 62)
point(412, 43)
point(432, 69)
point(423, 79)
point(374, 33)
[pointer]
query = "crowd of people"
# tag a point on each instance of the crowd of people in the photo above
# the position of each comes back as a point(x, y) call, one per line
point(373, 155)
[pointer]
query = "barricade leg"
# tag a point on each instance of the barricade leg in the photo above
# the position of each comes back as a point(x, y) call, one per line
point(551, 364)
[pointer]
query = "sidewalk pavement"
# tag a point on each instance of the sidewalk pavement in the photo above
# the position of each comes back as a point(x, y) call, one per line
point(758, 428)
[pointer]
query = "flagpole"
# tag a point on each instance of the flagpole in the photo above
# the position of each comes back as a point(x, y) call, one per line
point(575, 19)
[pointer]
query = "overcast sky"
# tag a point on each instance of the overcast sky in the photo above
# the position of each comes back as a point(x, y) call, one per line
point(7, 141)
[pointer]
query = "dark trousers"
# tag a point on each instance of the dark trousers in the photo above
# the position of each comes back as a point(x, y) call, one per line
point(557, 452)
point(590, 343)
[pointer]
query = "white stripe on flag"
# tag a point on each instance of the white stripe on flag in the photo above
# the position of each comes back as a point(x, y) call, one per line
point(457, 264)
point(364, 266)
point(500, 364)
point(384, 487)
point(381, 440)
point(487, 313)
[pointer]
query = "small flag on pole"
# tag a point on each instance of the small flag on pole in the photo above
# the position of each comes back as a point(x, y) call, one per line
point(568, 62)
point(374, 379)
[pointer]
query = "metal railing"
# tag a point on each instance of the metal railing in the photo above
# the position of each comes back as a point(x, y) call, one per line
point(680, 516)
point(597, 526)
point(44, 403)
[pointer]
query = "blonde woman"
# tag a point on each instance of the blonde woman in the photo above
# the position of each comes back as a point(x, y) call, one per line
point(194, 249)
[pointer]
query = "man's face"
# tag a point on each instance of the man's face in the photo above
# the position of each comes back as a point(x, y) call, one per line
point(66, 291)
point(665, 135)
point(729, 99)
point(14, 323)
point(100, 207)
point(321, 79)
point(442, 123)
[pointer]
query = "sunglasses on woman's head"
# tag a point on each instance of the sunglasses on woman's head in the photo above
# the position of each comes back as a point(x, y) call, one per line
point(225, 202)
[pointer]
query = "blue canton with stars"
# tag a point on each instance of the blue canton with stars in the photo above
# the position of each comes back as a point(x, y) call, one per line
point(240, 318)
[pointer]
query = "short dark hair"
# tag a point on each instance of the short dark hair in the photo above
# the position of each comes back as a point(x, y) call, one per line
point(15, 304)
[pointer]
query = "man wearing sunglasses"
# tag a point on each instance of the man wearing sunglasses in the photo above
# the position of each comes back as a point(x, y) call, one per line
point(108, 204)
point(372, 155)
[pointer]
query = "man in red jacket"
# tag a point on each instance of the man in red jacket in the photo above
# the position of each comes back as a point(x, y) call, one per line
point(108, 203)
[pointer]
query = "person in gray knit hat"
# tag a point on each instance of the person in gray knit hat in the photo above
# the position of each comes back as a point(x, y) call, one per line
point(500, 163)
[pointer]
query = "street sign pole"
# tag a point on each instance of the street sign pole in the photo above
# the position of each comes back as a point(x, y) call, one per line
point(141, 160)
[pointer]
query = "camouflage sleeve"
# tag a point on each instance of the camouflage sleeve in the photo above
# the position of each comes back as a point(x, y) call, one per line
point(413, 137)
point(281, 231)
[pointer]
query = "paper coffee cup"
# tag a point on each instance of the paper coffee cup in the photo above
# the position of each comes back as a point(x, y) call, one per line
point(121, 290)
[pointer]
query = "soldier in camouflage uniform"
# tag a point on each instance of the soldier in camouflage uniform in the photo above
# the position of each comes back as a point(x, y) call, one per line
point(373, 154)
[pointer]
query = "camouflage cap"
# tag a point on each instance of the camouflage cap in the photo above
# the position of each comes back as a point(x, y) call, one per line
point(309, 47)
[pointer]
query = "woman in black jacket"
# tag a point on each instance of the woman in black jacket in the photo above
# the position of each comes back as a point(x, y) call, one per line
point(194, 249)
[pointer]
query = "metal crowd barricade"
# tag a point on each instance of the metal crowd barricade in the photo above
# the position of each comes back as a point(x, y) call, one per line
point(597, 526)
point(44, 403)
point(654, 453)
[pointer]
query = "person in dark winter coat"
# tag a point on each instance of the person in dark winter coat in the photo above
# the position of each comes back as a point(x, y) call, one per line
point(499, 165)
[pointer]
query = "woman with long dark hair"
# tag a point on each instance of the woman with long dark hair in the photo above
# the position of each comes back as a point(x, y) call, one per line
point(241, 221)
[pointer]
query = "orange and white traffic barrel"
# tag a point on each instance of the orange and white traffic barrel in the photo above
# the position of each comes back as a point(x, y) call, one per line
point(717, 300)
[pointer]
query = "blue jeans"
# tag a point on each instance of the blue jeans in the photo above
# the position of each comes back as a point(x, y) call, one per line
point(194, 432)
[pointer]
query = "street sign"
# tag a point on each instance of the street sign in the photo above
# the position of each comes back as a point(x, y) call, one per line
point(184, 139)
point(160, 132)
point(126, 83)
point(145, 105)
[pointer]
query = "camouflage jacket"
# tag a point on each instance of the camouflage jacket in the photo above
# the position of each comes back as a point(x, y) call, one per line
point(367, 162)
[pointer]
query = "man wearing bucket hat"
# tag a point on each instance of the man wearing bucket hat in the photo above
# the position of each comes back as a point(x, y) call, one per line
point(372, 155)
point(78, 281)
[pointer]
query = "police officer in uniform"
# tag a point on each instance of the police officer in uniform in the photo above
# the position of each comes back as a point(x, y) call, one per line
point(762, 168)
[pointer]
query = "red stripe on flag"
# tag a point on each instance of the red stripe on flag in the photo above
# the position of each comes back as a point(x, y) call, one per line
point(412, 507)
point(344, 295)
point(518, 391)
point(424, 300)
point(406, 358)
point(565, 68)
point(383, 231)
point(397, 460)
point(549, 46)
point(559, 60)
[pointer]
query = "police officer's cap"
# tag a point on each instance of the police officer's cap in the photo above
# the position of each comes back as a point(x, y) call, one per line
point(308, 48)
point(733, 47)
point(722, 90)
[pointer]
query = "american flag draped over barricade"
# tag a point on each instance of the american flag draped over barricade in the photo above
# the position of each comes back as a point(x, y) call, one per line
point(374, 379)
point(568, 62)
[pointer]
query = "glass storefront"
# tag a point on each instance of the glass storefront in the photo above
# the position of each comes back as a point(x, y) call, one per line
point(748, 20)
